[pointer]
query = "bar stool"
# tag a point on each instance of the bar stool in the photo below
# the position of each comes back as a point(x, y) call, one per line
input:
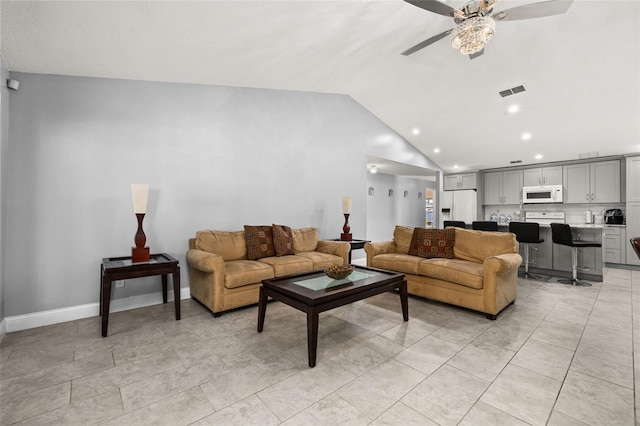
point(481, 225)
point(561, 234)
point(455, 223)
point(527, 233)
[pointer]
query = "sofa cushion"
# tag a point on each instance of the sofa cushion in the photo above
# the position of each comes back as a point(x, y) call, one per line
point(286, 265)
point(259, 242)
point(463, 272)
point(239, 273)
point(402, 237)
point(321, 260)
point(229, 245)
point(397, 262)
point(476, 246)
point(282, 240)
point(432, 243)
point(305, 239)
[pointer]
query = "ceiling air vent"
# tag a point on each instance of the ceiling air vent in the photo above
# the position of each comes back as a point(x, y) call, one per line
point(512, 91)
point(515, 161)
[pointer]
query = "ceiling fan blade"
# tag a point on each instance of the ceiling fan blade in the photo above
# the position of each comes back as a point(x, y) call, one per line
point(534, 10)
point(427, 42)
point(433, 6)
point(475, 55)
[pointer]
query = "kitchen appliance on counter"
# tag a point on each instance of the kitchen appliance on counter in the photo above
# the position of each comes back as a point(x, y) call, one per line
point(544, 218)
point(613, 217)
point(542, 194)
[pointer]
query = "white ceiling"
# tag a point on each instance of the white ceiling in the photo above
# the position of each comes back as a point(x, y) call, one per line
point(581, 69)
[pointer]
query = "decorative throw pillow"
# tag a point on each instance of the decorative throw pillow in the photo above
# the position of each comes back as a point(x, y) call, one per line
point(432, 242)
point(282, 240)
point(259, 242)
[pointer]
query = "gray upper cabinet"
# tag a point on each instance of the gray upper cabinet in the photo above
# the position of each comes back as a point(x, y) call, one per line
point(543, 176)
point(503, 187)
point(460, 181)
point(633, 179)
point(592, 182)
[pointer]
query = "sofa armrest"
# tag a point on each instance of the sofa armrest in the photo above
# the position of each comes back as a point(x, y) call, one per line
point(494, 265)
point(205, 261)
point(337, 248)
point(378, 247)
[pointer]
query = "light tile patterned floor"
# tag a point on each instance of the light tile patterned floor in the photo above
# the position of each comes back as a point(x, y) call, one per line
point(560, 355)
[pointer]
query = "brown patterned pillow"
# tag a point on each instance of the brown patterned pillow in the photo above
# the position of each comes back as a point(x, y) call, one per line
point(259, 242)
point(282, 240)
point(432, 243)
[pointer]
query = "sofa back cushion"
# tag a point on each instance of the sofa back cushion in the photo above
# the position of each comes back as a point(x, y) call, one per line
point(402, 237)
point(229, 245)
point(476, 246)
point(430, 243)
point(305, 239)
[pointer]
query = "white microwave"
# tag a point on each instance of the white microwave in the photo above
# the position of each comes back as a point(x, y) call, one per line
point(542, 194)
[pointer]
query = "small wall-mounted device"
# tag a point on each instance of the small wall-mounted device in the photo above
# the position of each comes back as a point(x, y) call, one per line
point(13, 84)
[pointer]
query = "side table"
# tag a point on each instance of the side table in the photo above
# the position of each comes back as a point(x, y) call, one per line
point(122, 268)
point(355, 245)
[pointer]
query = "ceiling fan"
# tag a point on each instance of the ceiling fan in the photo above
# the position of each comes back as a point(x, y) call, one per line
point(476, 21)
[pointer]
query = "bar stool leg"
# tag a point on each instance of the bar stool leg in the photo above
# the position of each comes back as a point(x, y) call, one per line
point(574, 271)
point(527, 247)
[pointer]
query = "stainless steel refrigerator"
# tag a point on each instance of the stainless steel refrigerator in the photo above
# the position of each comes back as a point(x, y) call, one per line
point(458, 205)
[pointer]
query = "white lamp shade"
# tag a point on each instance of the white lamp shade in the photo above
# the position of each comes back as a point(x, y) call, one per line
point(346, 205)
point(140, 192)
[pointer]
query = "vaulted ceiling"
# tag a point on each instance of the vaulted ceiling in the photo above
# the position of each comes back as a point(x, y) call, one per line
point(581, 69)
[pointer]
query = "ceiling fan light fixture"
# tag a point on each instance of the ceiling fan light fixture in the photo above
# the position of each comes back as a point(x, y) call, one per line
point(472, 34)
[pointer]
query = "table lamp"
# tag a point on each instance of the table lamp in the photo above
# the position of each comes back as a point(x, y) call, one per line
point(140, 192)
point(346, 209)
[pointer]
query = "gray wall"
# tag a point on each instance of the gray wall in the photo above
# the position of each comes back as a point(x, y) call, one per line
point(384, 212)
point(4, 141)
point(214, 157)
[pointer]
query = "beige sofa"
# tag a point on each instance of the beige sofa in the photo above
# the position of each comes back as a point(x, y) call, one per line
point(221, 277)
point(482, 276)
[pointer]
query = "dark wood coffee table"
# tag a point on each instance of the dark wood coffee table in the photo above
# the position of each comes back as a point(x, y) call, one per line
point(315, 292)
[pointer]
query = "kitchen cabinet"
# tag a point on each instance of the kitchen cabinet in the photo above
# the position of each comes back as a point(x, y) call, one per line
point(589, 258)
point(597, 182)
point(542, 176)
point(633, 230)
point(614, 245)
point(633, 179)
point(503, 187)
point(460, 181)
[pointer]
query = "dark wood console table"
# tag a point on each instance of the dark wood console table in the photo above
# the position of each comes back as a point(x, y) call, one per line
point(121, 268)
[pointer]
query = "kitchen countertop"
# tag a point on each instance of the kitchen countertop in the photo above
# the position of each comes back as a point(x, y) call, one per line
point(575, 225)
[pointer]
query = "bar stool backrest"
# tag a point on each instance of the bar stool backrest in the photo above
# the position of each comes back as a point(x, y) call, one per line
point(484, 225)
point(526, 232)
point(455, 223)
point(635, 243)
point(561, 234)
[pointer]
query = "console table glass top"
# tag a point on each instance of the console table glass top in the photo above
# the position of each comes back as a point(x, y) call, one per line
point(124, 262)
point(324, 282)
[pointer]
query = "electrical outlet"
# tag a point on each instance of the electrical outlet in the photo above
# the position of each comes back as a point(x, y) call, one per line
point(119, 283)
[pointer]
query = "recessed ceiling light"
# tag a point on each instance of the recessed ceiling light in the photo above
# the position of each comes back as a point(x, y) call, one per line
point(436, 150)
point(513, 109)
point(416, 131)
point(526, 136)
point(373, 169)
point(455, 166)
point(538, 156)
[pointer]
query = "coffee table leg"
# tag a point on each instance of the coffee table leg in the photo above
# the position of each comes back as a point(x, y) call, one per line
point(262, 308)
point(312, 335)
point(404, 300)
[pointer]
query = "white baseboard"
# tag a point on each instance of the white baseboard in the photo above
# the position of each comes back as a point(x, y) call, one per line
point(3, 329)
point(55, 316)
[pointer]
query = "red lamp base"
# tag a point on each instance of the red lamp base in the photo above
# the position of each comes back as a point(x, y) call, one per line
point(139, 254)
point(345, 237)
